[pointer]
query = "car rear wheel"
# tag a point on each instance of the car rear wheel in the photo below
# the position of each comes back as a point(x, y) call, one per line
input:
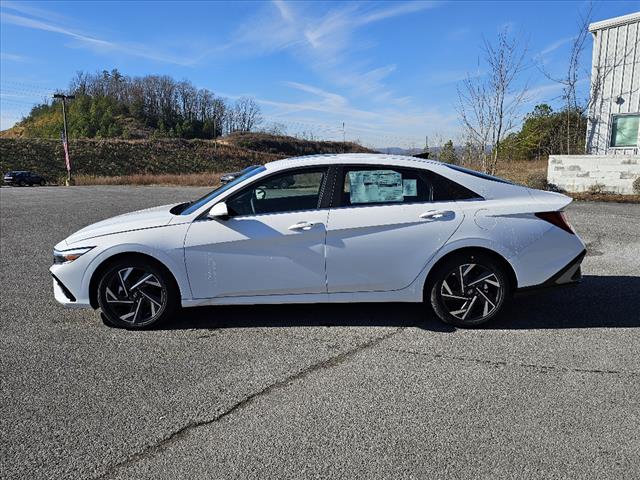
point(469, 290)
point(42, 183)
point(135, 294)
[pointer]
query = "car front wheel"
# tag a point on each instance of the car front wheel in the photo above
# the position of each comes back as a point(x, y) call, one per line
point(135, 294)
point(469, 290)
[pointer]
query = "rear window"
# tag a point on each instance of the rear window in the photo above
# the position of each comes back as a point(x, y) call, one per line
point(478, 174)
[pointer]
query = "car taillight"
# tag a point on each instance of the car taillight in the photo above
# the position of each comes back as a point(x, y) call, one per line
point(559, 219)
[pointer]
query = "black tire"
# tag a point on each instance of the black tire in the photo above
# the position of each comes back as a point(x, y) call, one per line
point(129, 301)
point(22, 183)
point(487, 289)
point(42, 183)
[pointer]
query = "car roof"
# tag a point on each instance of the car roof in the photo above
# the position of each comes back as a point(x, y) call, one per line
point(354, 158)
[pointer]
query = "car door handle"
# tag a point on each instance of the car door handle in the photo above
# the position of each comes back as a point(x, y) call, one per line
point(435, 214)
point(302, 226)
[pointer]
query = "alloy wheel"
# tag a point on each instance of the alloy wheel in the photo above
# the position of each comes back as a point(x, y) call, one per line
point(135, 296)
point(471, 292)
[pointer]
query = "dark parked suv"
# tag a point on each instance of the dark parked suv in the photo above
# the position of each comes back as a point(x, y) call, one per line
point(24, 178)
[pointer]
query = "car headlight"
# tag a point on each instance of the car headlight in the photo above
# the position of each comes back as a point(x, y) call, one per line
point(68, 256)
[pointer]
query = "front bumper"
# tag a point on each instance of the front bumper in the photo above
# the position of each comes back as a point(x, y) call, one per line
point(64, 295)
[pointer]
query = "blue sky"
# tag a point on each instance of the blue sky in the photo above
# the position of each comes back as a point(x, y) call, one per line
point(388, 70)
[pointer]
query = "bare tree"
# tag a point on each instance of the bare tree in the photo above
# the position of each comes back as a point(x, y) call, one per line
point(246, 115)
point(574, 109)
point(489, 105)
point(275, 128)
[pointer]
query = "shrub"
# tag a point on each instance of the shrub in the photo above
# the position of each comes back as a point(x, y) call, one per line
point(537, 180)
point(636, 186)
point(596, 188)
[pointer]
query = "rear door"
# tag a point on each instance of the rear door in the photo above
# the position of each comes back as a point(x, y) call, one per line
point(386, 224)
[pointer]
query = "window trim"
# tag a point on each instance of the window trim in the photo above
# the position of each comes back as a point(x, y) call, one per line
point(610, 142)
point(321, 193)
point(338, 186)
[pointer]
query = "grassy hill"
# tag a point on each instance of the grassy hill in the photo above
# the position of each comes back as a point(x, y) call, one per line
point(116, 157)
point(289, 146)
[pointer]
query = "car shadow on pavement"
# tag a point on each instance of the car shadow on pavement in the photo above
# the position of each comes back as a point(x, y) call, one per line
point(309, 315)
point(599, 301)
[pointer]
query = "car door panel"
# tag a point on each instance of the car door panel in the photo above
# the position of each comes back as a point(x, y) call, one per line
point(257, 255)
point(273, 243)
point(384, 247)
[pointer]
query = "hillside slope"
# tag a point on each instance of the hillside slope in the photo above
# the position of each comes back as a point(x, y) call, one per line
point(111, 157)
point(289, 146)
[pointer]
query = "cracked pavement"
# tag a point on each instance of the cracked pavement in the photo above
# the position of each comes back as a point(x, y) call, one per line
point(550, 390)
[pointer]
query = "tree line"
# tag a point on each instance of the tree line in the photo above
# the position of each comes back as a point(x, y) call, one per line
point(105, 102)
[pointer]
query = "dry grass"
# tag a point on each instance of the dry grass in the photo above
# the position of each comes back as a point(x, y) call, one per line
point(189, 179)
point(521, 171)
point(605, 197)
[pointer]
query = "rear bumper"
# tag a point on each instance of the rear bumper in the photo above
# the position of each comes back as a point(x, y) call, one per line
point(569, 275)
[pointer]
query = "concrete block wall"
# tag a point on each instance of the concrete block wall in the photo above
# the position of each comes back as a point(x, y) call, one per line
point(576, 173)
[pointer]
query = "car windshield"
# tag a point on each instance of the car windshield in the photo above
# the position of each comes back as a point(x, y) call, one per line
point(195, 205)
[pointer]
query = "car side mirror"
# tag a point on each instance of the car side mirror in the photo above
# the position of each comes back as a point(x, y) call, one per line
point(219, 211)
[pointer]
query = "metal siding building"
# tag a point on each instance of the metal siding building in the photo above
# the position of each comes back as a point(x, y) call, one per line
point(612, 163)
point(614, 111)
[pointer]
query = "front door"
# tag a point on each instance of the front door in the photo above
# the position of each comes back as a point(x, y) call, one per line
point(273, 242)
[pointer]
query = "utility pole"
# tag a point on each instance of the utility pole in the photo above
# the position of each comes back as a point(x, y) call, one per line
point(65, 138)
point(215, 137)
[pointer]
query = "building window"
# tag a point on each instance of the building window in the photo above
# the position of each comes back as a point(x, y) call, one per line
point(624, 130)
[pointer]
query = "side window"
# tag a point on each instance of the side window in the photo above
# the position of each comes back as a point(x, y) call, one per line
point(286, 192)
point(445, 190)
point(383, 185)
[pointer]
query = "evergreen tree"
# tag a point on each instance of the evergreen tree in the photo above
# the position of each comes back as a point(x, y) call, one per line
point(448, 153)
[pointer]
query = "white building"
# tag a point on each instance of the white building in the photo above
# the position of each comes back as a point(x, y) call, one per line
point(613, 126)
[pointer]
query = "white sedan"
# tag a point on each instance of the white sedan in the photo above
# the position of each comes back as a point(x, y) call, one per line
point(327, 228)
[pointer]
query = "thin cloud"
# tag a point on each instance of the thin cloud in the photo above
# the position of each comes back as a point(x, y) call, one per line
point(451, 76)
point(284, 10)
point(377, 125)
point(552, 47)
point(4, 56)
point(27, 8)
point(325, 42)
point(94, 42)
point(48, 27)
point(397, 10)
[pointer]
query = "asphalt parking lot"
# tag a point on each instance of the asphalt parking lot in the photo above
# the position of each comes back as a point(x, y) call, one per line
point(551, 390)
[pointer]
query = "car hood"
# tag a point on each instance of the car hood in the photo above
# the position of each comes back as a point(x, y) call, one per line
point(149, 218)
